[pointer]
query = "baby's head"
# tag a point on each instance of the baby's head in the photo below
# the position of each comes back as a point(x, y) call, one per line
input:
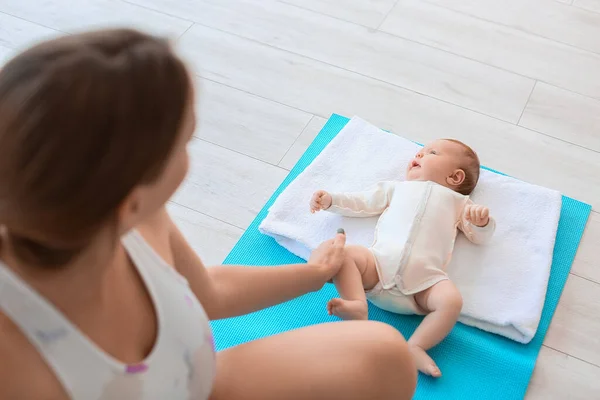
point(447, 162)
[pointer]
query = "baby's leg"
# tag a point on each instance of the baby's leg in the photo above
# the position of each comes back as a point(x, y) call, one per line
point(444, 302)
point(358, 273)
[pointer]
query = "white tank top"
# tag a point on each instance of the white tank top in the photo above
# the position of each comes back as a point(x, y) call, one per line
point(181, 364)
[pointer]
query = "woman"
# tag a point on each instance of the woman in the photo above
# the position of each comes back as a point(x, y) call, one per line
point(100, 295)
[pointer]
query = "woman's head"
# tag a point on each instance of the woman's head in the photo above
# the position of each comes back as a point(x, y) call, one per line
point(93, 129)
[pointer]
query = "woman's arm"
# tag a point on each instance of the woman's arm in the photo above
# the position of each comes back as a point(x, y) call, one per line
point(228, 291)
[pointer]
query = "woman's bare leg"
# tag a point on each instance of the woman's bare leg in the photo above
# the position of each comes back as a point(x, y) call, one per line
point(358, 273)
point(444, 302)
point(344, 360)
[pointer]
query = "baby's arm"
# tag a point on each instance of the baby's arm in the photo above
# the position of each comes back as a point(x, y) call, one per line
point(355, 204)
point(476, 223)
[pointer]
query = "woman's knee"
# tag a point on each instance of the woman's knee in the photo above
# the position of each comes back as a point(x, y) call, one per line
point(390, 362)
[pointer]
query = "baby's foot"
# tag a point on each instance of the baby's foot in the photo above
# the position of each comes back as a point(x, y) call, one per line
point(424, 363)
point(348, 309)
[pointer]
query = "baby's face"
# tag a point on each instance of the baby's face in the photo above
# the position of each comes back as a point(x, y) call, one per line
point(437, 162)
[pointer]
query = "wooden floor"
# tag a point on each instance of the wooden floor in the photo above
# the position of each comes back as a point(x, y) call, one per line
point(519, 80)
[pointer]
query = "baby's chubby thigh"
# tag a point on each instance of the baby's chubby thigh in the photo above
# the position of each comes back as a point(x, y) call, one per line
point(443, 296)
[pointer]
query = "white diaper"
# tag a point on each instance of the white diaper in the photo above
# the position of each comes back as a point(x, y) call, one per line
point(393, 300)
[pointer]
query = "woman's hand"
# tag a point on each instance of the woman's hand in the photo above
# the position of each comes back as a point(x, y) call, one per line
point(329, 256)
point(321, 200)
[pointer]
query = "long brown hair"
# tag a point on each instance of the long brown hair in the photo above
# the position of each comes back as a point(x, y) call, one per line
point(83, 120)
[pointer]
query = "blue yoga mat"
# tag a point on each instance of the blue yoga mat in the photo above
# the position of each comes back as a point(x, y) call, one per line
point(476, 364)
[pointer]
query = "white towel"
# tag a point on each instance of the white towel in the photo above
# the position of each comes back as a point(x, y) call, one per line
point(503, 283)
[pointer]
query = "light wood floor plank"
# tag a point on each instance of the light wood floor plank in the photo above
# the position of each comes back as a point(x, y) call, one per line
point(322, 90)
point(18, 33)
point(591, 5)
point(368, 13)
point(587, 262)
point(575, 326)
point(559, 376)
point(210, 238)
point(5, 54)
point(563, 114)
point(68, 16)
point(379, 55)
point(302, 143)
point(227, 185)
point(248, 124)
point(508, 48)
point(549, 19)
point(280, 91)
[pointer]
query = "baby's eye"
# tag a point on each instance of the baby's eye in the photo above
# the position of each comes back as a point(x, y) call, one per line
point(432, 152)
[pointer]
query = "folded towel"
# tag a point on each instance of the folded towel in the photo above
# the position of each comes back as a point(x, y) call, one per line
point(503, 283)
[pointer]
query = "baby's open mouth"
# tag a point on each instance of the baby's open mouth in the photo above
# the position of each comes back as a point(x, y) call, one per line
point(414, 164)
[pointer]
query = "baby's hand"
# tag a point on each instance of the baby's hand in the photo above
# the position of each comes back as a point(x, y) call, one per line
point(321, 200)
point(477, 215)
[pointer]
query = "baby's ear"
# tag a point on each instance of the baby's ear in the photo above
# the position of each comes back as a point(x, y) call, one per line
point(456, 178)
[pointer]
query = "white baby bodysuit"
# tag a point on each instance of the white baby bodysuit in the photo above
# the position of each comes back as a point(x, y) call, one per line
point(415, 234)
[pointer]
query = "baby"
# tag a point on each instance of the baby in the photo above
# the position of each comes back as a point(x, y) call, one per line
point(404, 269)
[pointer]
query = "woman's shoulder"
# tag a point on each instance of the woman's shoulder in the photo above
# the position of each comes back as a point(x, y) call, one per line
point(156, 231)
point(21, 364)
